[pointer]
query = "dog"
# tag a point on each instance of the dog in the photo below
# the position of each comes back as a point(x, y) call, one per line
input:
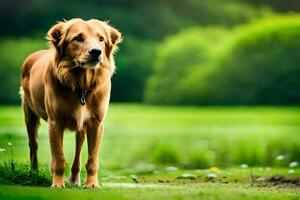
point(69, 86)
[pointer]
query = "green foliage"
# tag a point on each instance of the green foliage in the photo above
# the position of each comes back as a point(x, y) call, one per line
point(283, 6)
point(19, 173)
point(201, 159)
point(13, 52)
point(134, 64)
point(256, 64)
point(142, 19)
point(23, 175)
point(260, 66)
point(165, 154)
point(177, 57)
point(253, 153)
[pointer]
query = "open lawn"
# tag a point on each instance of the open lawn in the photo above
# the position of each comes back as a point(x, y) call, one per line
point(146, 149)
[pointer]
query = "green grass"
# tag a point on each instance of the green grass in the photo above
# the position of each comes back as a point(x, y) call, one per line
point(187, 137)
point(231, 183)
point(192, 191)
point(141, 142)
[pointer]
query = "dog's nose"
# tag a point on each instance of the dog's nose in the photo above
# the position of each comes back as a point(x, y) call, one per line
point(95, 53)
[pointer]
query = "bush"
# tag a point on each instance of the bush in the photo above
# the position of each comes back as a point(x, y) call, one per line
point(260, 66)
point(253, 153)
point(201, 159)
point(12, 54)
point(24, 175)
point(257, 64)
point(176, 57)
point(165, 154)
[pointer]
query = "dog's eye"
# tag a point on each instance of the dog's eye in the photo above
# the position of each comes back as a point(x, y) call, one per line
point(78, 39)
point(101, 38)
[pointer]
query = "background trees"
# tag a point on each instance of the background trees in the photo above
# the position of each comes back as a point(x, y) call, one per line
point(174, 52)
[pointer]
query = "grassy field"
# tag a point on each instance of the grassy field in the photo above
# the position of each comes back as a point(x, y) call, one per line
point(111, 191)
point(146, 148)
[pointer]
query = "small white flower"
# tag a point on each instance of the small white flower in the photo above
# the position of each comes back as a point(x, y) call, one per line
point(293, 164)
point(187, 176)
point(280, 157)
point(291, 171)
point(244, 166)
point(211, 175)
point(2, 150)
point(9, 144)
point(171, 169)
point(261, 179)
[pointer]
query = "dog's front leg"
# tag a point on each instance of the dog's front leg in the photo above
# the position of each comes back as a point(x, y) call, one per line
point(94, 135)
point(74, 178)
point(57, 155)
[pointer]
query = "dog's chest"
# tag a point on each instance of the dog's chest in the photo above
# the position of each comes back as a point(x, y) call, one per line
point(82, 114)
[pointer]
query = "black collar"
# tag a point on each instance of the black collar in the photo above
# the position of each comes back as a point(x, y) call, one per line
point(83, 96)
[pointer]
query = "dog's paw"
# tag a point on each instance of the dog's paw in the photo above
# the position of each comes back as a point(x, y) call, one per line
point(58, 182)
point(87, 186)
point(58, 185)
point(91, 182)
point(74, 180)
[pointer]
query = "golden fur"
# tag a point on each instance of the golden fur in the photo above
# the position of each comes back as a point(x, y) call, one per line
point(52, 83)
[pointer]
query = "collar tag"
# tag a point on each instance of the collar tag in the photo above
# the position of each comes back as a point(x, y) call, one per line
point(83, 95)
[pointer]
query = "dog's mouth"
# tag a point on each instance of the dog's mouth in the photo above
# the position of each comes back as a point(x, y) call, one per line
point(89, 64)
point(92, 65)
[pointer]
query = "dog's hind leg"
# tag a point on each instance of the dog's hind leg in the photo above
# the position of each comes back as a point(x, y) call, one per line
point(32, 125)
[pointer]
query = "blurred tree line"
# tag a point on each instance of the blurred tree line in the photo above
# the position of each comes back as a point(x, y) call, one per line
point(157, 39)
point(257, 63)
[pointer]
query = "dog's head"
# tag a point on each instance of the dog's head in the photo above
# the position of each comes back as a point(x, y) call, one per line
point(85, 44)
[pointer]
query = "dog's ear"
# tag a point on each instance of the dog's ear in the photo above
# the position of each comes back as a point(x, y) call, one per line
point(115, 35)
point(55, 34)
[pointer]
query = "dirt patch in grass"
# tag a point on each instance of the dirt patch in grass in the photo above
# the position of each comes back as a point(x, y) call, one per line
point(284, 181)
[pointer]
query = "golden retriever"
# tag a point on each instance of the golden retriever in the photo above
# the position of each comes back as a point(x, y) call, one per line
point(69, 86)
